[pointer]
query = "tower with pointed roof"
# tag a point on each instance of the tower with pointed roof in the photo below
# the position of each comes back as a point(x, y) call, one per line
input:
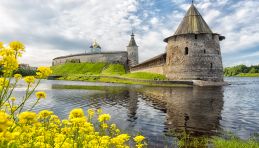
point(193, 52)
point(132, 50)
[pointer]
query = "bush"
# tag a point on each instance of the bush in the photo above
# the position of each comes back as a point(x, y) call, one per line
point(25, 72)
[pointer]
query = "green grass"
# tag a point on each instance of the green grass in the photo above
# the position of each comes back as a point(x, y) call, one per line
point(230, 141)
point(114, 69)
point(102, 72)
point(145, 75)
point(80, 68)
point(248, 75)
point(234, 143)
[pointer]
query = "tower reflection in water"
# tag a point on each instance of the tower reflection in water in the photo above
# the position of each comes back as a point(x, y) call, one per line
point(192, 109)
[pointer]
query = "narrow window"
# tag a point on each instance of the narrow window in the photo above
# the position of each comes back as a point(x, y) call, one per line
point(211, 65)
point(204, 51)
point(196, 36)
point(186, 50)
point(175, 38)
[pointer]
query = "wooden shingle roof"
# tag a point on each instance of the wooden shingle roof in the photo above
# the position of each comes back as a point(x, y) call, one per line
point(192, 23)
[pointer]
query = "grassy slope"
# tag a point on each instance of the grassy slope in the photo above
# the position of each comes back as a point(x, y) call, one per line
point(114, 69)
point(78, 68)
point(85, 72)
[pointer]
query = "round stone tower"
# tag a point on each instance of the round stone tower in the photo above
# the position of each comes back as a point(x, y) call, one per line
point(132, 50)
point(193, 52)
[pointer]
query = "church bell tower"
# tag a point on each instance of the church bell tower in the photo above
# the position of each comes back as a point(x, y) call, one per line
point(132, 50)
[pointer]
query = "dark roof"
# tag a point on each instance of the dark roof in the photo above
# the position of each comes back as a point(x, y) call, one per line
point(192, 23)
point(108, 52)
point(132, 41)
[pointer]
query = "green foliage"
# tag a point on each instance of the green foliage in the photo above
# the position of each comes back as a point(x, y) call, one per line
point(145, 75)
point(78, 68)
point(25, 72)
point(239, 69)
point(114, 69)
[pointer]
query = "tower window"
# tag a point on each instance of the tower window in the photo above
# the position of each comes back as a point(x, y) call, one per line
point(196, 36)
point(211, 66)
point(186, 50)
point(204, 51)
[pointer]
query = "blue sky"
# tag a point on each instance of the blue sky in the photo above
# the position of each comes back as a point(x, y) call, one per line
point(51, 28)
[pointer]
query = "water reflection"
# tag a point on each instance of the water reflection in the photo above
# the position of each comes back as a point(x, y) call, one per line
point(154, 111)
point(194, 109)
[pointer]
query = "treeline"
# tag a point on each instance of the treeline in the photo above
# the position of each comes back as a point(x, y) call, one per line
point(25, 71)
point(241, 69)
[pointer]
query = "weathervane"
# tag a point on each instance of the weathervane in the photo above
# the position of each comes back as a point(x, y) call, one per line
point(132, 30)
point(192, 1)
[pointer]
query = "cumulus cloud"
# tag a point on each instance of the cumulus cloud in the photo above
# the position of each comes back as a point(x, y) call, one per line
point(51, 28)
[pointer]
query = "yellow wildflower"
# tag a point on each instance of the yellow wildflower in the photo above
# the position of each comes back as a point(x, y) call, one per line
point(43, 72)
point(17, 76)
point(13, 99)
point(27, 117)
point(104, 117)
point(41, 95)
point(139, 139)
point(1, 45)
point(76, 113)
point(4, 82)
point(29, 79)
point(17, 46)
point(90, 113)
point(120, 139)
point(45, 114)
point(99, 111)
point(4, 121)
point(14, 108)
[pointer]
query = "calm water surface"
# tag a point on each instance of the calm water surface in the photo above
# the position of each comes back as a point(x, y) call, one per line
point(154, 111)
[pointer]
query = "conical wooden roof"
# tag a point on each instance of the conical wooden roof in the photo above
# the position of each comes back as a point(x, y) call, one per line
point(192, 23)
point(132, 41)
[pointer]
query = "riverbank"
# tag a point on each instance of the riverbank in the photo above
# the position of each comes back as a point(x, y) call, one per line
point(126, 79)
point(116, 73)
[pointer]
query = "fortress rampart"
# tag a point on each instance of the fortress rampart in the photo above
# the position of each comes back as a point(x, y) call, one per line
point(120, 57)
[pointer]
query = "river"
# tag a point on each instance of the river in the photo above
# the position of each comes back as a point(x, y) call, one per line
point(156, 111)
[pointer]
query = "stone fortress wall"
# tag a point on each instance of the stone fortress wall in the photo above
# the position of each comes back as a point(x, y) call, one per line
point(120, 57)
point(154, 65)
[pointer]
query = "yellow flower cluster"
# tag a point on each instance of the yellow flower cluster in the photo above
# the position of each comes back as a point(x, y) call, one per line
point(17, 76)
point(46, 130)
point(43, 72)
point(8, 57)
point(41, 95)
point(17, 46)
point(29, 79)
